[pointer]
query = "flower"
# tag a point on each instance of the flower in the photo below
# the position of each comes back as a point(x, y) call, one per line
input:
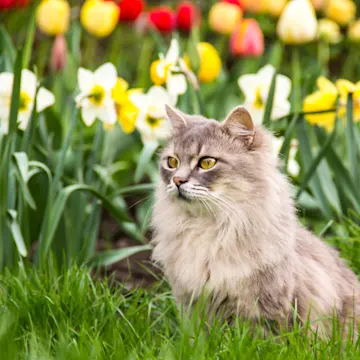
point(58, 54)
point(297, 23)
point(187, 16)
point(257, 7)
point(152, 122)
point(256, 90)
point(223, 17)
point(10, 4)
point(238, 3)
point(293, 167)
point(126, 111)
point(99, 18)
point(130, 9)
point(53, 17)
point(163, 19)
point(318, 4)
point(354, 31)
point(346, 87)
point(275, 7)
point(329, 31)
point(247, 39)
point(95, 98)
point(163, 71)
point(320, 100)
point(341, 11)
point(210, 62)
point(27, 98)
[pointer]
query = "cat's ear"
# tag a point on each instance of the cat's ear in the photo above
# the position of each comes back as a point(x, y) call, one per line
point(239, 124)
point(176, 117)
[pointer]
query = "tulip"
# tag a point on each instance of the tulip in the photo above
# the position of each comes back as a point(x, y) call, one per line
point(58, 54)
point(10, 4)
point(354, 31)
point(329, 31)
point(210, 62)
point(297, 23)
point(318, 4)
point(163, 19)
point(99, 18)
point(341, 11)
point(223, 17)
point(187, 16)
point(53, 17)
point(257, 6)
point(247, 39)
point(236, 2)
point(130, 9)
point(275, 7)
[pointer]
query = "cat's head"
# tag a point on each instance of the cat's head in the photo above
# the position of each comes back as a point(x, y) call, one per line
point(209, 161)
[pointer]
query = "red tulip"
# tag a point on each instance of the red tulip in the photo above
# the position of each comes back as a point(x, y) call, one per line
point(247, 39)
point(9, 4)
point(187, 16)
point(130, 9)
point(235, 2)
point(162, 18)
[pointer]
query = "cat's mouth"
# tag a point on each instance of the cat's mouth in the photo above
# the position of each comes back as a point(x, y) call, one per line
point(184, 195)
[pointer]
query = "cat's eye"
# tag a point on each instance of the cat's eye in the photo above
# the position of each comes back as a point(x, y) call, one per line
point(207, 163)
point(173, 162)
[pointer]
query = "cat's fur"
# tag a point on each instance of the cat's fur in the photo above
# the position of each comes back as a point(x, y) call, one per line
point(236, 235)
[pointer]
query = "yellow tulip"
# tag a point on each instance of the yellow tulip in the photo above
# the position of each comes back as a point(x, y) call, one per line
point(354, 31)
point(341, 11)
point(210, 62)
point(53, 17)
point(323, 99)
point(275, 7)
point(99, 17)
point(257, 6)
point(297, 23)
point(329, 31)
point(223, 17)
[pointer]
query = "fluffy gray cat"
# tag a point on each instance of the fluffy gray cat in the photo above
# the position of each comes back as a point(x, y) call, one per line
point(225, 224)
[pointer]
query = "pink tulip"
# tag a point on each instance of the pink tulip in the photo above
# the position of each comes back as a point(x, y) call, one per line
point(58, 54)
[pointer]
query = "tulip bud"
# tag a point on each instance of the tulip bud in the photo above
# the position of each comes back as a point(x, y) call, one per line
point(7, 4)
point(210, 62)
point(297, 23)
point(318, 4)
point(236, 2)
point(341, 11)
point(354, 31)
point(223, 17)
point(99, 18)
point(53, 17)
point(58, 54)
point(187, 16)
point(247, 39)
point(275, 7)
point(130, 9)
point(256, 6)
point(329, 31)
point(163, 19)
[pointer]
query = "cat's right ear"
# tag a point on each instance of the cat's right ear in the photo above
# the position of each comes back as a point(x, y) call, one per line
point(239, 124)
point(176, 118)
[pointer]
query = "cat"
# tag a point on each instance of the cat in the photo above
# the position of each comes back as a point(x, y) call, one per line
point(225, 224)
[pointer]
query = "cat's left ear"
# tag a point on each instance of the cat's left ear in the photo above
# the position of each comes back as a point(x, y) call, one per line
point(239, 124)
point(176, 117)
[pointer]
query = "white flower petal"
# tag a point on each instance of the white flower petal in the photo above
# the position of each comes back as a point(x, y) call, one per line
point(173, 53)
point(4, 119)
point(85, 80)
point(45, 98)
point(160, 69)
point(266, 74)
point(28, 82)
point(6, 83)
point(24, 117)
point(157, 98)
point(89, 115)
point(280, 109)
point(140, 101)
point(106, 76)
point(248, 85)
point(107, 114)
point(176, 84)
point(283, 86)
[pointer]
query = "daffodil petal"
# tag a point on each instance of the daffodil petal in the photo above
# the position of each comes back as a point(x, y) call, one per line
point(88, 115)
point(6, 83)
point(158, 97)
point(325, 85)
point(176, 84)
point(85, 80)
point(173, 53)
point(107, 114)
point(28, 82)
point(248, 85)
point(266, 74)
point(280, 109)
point(283, 87)
point(24, 117)
point(45, 98)
point(106, 76)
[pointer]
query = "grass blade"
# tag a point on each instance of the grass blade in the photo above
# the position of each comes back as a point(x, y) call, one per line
point(270, 101)
point(29, 39)
point(285, 148)
point(16, 232)
point(145, 157)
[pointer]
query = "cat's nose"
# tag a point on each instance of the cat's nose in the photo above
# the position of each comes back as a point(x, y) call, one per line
point(179, 180)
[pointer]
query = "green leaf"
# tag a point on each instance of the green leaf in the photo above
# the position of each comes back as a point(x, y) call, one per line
point(7, 48)
point(192, 50)
point(276, 54)
point(270, 101)
point(296, 79)
point(110, 257)
point(16, 232)
point(134, 189)
point(285, 148)
point(144, 159)
point(29, 39)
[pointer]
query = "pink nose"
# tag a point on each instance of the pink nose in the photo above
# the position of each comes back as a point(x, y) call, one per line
point(179, 180)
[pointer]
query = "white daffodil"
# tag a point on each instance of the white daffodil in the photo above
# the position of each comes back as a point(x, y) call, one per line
point(165, 70)
point(152, 122)
point(256, 90)
point(27, 97)
point(95, 98)
point(293, 167)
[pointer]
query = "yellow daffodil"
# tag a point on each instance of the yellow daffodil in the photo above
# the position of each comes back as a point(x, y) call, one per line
point(99, 17)
point(341, 11)
point(164, 71)
point(345, 87)
point(27, 98)
point(297, 23)
point(354, 31)
point(323, 99)
point(53, 17)
point(329, 31)
point(126, 111)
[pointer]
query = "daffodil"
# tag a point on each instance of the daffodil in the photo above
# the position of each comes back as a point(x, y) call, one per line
point(95, 98)
point(256, 90)
point(293, 167)
point(346, 87)
point(126, 111)
point(165, 70)
point(322, 100)
point(152, 122)
point(27, 98)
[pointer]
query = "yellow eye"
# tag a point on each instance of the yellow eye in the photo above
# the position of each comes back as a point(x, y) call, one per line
point(207, 163)
point(172, 162)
